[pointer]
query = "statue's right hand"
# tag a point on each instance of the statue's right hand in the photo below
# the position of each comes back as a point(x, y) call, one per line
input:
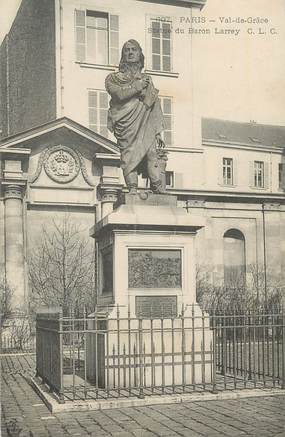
point(145, 81)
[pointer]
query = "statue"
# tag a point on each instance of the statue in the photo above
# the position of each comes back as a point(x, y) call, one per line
point(135, 117)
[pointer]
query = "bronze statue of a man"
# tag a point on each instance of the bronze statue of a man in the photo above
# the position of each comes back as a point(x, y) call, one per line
point(135, 118)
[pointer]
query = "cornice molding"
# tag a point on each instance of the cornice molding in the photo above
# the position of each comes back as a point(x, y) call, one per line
point(184, 3)
point(242, 146)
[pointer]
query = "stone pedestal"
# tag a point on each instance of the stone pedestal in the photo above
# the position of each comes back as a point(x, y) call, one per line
point(147, 296)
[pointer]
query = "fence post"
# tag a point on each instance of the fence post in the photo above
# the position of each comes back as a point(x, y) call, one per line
point(60, 333)
point(118, 351)
point(183, 346)
point(283, 348)
point(141, 393)
point(249, 346)
point(214, 389)
point(193, 347)
point(37, 346)
point(224, 347)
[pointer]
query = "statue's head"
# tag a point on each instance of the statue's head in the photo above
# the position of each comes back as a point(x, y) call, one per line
point(131, 54)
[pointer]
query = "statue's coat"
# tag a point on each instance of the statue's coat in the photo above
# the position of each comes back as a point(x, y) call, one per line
point(135, 117)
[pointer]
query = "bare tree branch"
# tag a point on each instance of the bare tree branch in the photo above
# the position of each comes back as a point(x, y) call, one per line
point(61, 267)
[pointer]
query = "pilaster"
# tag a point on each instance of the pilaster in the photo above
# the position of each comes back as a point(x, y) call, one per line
point(14, 242)
point(109, 187)
point(13, 185)
point(109, 196)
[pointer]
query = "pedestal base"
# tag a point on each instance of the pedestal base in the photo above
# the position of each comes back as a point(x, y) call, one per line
point(147, 353)
point(147, 279)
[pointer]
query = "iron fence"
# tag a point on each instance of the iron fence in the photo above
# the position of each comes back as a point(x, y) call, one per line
point(17, 335)
point(251, 347)
point(49, 350)
point(101, 357)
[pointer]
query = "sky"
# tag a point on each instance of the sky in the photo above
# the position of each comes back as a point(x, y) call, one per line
point(237, 77)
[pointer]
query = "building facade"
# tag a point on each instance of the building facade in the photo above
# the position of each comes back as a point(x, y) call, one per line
point(58, 157)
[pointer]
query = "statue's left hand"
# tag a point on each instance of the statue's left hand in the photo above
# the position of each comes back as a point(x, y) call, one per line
point(160, 142)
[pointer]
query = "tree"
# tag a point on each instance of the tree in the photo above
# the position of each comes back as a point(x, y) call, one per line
point(62, 268)
point(238, 294)
point(6, 294)
point(16, 326)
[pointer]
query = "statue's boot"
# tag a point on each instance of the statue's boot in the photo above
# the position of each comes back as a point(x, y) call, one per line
point(157, 188)
point(133, 190)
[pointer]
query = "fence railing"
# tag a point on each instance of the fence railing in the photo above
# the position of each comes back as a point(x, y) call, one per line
point(251, 346)
point(17, 335)
point(98, 357)
point(49, 350)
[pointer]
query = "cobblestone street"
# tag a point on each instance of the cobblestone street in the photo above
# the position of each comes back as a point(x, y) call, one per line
point(24, 414)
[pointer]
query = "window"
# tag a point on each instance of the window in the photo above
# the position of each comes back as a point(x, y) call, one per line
point(166, 106)
point(234, 258)
point(169, 179)
point(161, 45)
point(228, 171)
point(97, 37)
point(281, 176)
point(259, 174)
point(98, 111)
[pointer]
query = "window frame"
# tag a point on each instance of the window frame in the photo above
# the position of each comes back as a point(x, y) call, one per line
point(229, 271)
point(172, 179)
point(96, 29)
point(92, 61)
point(256, 174)
point(149, 58)
point(225, 168)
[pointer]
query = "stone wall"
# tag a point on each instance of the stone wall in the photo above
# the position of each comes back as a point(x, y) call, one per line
point(3, 88)
point(248, 219)
point(31, 65)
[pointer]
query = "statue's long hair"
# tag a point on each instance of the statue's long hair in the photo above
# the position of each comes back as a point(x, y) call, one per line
point(124, 66)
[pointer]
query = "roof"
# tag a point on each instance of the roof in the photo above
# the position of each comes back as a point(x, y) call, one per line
point(186, 3)
point(62, 125)
point(245, 133)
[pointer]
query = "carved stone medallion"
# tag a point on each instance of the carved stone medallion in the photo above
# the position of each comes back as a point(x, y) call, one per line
point(62, 164)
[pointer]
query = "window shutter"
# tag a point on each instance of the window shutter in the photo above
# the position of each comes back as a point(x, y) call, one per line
point(251, 174)
point(103, 113)
point(283, 176)
point(221, 173)
point(113, 39)
point(235, 172)
point(178, 181)
point(80, 34)
point(266, 176)
point(93, 110)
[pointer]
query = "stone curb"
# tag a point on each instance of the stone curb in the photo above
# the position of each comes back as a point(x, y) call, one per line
point(55, 407)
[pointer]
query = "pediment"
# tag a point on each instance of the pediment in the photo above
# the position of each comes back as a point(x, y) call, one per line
point(66, 132)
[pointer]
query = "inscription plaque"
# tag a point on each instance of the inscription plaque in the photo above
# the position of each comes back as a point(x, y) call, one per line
point(156, 307)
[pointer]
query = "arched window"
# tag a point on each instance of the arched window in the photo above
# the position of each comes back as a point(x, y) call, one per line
point(234, 258)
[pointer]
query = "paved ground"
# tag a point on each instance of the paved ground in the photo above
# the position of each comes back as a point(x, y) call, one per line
point(25, 415)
